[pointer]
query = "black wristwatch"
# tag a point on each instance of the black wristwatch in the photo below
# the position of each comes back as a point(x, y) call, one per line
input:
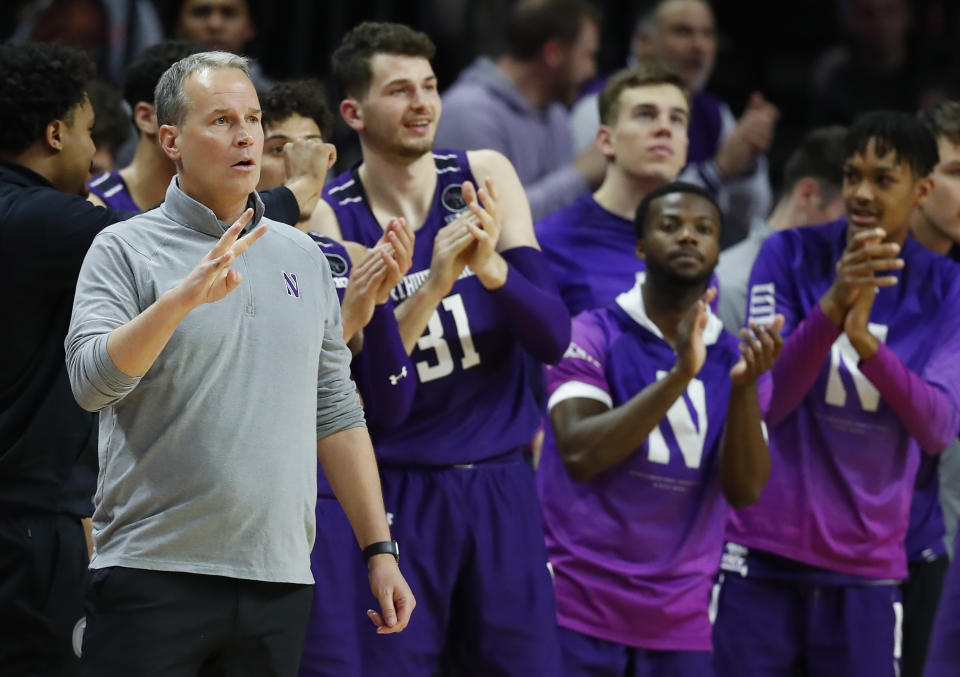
point(381, 548)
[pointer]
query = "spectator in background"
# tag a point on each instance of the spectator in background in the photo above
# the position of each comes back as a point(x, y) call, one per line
point(291, 111)
point(111, 125)
point(112, 32)
point(874, 68)
point(812, 181)
point(726, 155)
point(225, 25)
point(518, 104)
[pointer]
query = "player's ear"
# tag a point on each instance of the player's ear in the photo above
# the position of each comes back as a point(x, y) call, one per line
point(145, 117)
point(552, 53)
point(641, 250)
point(604, 141)
point(53, 135)
point(922, 190)
point(351, 113)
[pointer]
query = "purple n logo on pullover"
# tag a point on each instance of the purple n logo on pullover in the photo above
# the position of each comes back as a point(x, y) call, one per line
point(293, 287)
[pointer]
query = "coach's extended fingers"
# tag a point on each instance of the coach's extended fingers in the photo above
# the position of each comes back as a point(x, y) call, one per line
point(230, 235)
point(244, 243)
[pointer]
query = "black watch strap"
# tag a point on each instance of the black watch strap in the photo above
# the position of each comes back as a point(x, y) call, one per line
point(382, 548)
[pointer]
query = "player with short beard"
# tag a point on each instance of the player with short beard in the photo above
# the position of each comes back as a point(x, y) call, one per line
point(655, 428)
point(478, 298)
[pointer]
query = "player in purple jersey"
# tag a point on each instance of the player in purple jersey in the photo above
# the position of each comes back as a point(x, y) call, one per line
point(590, 244)
point(479, 295)
point(294, 110)
point(655, 428)
point(868, 380)
point(936, 225)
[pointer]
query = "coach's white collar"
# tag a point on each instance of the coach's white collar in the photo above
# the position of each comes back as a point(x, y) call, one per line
point(632, 304)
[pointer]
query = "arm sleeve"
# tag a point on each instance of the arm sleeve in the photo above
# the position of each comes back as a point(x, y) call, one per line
point(338, 405)
point(106, 298)
point(383, 370)
point(61, 228)
point(928, 404)
point(927, 410)
point(581, 372)
point(807, 339)
point(532, 302)
point(281, 205)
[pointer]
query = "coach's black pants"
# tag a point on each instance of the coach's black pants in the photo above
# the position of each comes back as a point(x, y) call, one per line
point(158, 623)
point(43, 568)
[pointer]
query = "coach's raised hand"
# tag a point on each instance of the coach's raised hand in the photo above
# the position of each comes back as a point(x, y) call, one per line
point(212, 279)
point(134, 346)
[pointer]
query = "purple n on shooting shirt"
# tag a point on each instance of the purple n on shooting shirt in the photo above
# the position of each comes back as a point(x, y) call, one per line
point(844, 460)
point(474, 400)
point(112, 189)
point(592, 254)
point(635, 549)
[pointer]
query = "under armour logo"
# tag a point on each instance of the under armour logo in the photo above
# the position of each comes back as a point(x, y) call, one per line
point(293, 287)
point(395, 379)
point(389, 519)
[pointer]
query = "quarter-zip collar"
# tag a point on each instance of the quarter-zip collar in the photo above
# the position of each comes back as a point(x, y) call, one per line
point(183, 209)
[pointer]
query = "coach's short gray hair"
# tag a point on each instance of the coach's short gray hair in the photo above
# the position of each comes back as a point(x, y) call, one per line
point(169, 99)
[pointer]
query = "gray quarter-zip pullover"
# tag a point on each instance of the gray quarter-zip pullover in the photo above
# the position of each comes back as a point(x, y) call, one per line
point(208, 462)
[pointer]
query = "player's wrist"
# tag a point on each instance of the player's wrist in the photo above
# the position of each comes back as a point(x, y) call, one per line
point(682, 372)
point(864, 343)
point(493, 274)
point(831, 309)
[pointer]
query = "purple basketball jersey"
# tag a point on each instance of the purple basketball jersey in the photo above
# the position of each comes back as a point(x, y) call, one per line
point(635, 549)
point(474, 399)
point(844, 465)
point(112, 189)
point(926, 527)
point(592, 254)
point(339, 260)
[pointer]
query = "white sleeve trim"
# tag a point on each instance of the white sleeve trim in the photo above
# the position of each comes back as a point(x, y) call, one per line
point(572, 389)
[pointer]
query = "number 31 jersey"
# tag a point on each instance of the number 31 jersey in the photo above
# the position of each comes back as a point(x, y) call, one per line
point(474, 400)
point(635, 549)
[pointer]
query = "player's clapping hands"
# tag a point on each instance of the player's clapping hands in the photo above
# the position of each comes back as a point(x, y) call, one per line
point(376, 274)
point(691, 351)
point(856, 323)
point(450, 254)
point(483, 258)
point(865, 256)
point(759, 348)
